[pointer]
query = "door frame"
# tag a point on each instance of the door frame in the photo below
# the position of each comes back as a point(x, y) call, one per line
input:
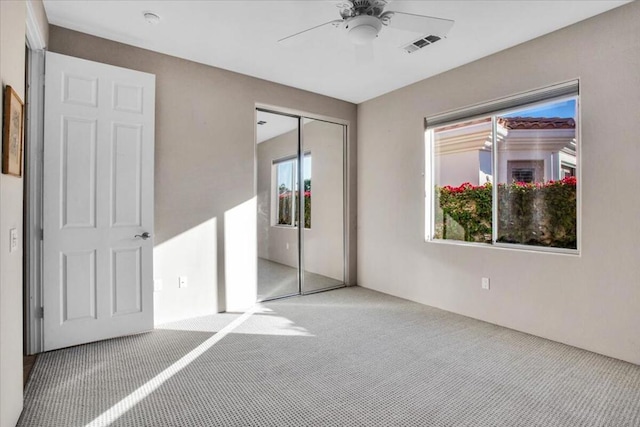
point(301, 115)
point(34, 137)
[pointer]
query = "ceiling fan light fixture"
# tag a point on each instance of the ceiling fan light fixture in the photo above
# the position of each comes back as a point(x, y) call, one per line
point(363, 29)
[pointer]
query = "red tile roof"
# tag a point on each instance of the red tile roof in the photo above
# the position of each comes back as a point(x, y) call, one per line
point(537, 122)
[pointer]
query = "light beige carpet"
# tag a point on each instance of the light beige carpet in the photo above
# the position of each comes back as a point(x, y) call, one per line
point(350, 357)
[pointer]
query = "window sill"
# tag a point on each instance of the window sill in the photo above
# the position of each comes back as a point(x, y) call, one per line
point(290, 227)
point(509, 247)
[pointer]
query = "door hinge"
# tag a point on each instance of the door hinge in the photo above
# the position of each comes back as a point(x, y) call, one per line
point(40, 313)
point(41, 234)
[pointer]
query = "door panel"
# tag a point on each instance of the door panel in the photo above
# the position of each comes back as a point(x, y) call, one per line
point(323, 207)
point(80, 90)
point(78, 172)
point(78, 286)
point(278, 245)
point(97, 202)
point(126, 281)
point(126, 149)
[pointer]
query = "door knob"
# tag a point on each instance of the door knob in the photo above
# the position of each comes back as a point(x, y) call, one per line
point(144, 235)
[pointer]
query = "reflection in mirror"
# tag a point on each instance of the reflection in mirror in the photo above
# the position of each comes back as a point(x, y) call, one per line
point(323, 207)
point(277, 181)
point(299, 184)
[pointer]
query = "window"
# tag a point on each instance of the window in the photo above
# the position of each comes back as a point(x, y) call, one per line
point(506, 178)
point(286, 191)
point(525, 171)
point(523, 175)
point(568, 170)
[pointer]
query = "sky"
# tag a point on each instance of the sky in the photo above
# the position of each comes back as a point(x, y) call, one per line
point(556, 109)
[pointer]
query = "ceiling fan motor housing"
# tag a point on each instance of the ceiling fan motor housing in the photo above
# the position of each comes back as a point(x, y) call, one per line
point(363, 29)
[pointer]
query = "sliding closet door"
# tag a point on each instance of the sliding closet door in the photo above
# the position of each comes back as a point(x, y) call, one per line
point(277, 171)
point(322, 174)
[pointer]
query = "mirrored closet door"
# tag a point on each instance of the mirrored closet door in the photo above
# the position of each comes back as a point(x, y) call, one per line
point(300, 202)
point(323, 174)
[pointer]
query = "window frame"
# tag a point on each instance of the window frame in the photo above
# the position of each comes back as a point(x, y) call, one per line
point(275, 164)
point(459, 117)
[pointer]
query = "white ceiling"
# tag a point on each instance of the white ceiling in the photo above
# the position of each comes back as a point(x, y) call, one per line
point(242, 36)
point(275, 125)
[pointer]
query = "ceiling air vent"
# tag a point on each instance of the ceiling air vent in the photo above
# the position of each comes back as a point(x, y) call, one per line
point(420, 43)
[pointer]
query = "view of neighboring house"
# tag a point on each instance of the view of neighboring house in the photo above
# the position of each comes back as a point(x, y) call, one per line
point(530, 149)
point(525, 174)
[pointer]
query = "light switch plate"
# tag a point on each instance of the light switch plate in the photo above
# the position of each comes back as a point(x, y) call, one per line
point(157, 285)
point(485, 283)
point(13, 239)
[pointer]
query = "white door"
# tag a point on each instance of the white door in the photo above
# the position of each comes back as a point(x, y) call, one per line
point(98, 201)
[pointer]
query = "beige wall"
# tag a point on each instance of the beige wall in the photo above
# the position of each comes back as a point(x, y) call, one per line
point(12, 70)
point(12, 54)
point(591, 301)
point(323, 242)
point(204, 164)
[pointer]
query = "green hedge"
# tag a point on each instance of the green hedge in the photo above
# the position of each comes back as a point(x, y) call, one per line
point(464, 213)
point(531, 214)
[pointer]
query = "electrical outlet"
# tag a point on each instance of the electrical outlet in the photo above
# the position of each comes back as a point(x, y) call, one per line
point(182, 282)
point(485, 283)
point(157, 285)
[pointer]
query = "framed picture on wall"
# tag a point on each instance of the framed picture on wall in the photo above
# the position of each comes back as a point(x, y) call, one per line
point(13, 125)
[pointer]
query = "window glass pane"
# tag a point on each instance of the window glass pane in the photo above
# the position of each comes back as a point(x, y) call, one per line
point(287, 191)
point(285, 184)
point(463, 177)
point(537, 161)
point(278, 241)
point(306, 172)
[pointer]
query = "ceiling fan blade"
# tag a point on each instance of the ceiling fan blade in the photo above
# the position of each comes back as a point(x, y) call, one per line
point(300, 37)
point(419, 23)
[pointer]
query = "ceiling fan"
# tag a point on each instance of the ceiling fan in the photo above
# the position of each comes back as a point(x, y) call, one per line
point(363, 21)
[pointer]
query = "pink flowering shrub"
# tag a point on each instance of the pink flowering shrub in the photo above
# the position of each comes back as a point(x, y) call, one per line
point(540, 214)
